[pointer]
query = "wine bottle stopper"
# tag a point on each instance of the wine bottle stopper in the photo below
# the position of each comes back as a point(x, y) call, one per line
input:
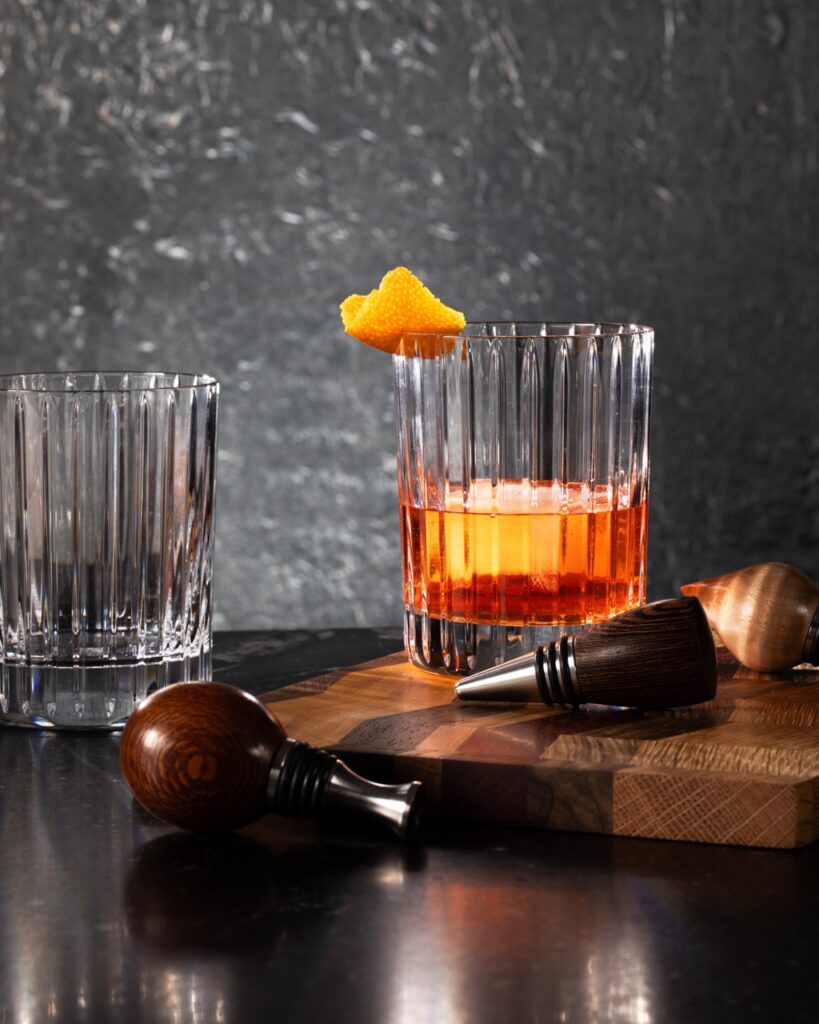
point(210, 757)
point(767, 615)
point(661, 655)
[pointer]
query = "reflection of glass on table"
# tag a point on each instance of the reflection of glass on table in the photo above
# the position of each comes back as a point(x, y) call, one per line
point(106, 505)
point(523, 485)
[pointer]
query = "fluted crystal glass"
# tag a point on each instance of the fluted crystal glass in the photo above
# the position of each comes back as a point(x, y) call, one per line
point(106, 510)
point(523, 485)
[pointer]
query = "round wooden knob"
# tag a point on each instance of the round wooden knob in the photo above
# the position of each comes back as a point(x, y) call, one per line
point(198, 755)
point(767, 615)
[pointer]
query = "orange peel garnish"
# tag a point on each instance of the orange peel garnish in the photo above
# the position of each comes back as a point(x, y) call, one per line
point(400, 305)
point(350, 307)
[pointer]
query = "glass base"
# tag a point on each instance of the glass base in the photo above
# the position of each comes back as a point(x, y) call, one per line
point(97, 697)
point(458, 648)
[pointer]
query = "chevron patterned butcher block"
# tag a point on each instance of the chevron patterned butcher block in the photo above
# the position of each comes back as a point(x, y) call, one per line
point(742, 769)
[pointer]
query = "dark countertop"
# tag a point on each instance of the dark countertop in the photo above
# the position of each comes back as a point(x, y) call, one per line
point(108, 915)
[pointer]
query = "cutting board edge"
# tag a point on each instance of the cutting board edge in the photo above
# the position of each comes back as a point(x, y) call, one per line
point(803, 794)
point(610, 796)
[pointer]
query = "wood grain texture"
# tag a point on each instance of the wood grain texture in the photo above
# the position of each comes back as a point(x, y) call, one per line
point(740, 769)
point(656, 656)
point(763, 614)
point(198, 755)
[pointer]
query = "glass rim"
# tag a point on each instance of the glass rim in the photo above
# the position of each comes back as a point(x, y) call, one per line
point(57, 382)
point(548, 330)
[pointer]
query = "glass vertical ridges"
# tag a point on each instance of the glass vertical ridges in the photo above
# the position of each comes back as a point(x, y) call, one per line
point(509, 415)
point(106, 510)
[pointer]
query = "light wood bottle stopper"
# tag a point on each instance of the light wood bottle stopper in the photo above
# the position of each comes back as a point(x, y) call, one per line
point(767, 615)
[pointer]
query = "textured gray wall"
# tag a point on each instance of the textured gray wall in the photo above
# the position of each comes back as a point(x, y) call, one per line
point(196, 186)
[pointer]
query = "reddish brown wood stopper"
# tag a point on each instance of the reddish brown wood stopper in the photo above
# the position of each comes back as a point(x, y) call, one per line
point(198, 755)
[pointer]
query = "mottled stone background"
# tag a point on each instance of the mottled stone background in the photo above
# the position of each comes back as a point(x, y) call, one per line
point(196, 185)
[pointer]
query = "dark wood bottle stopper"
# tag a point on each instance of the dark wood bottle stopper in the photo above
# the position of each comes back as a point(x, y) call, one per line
point(209, 757)
point(661, 655)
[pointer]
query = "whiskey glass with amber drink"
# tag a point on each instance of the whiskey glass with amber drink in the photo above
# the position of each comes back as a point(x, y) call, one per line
point(523, 470)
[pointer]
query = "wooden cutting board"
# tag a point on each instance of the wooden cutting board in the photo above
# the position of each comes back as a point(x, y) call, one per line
point(742, 769)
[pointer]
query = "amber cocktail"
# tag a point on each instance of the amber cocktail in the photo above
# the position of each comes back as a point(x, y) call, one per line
point(523, 485)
